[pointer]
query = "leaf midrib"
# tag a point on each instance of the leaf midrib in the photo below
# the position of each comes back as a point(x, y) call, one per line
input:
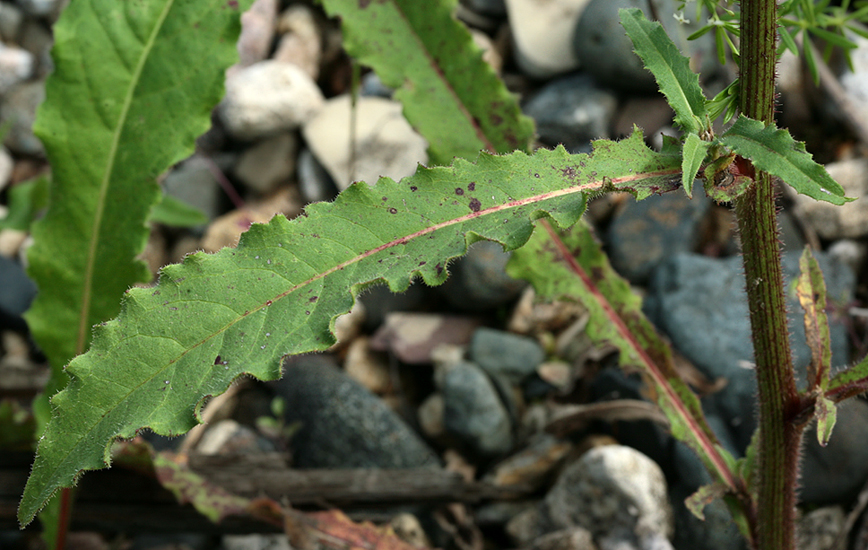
point(93, 245)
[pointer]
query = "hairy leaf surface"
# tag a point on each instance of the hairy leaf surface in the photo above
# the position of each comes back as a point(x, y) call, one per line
point(215, 317)
point(572, 266)
point(133, 87)
point(671, 70)
point(775, 151)
point(450, 95)
point(811, 291)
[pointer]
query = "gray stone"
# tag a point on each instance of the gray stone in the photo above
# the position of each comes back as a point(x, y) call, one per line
point(18, 109)
point(372, 86)
point(193, 182)
point(716, 532)
point(819, 529)
point(573, 111)
point(606, 52)
point(542, 31)
point(314, 181)
point(36, 38)
point(615, 492)
point(11, 18)
point(478, 281)
point(16, 293)
point(837, 222)
point(16, 66)
point(6, 166)
point(268, 97)
point(257, 32)
point(700, 303)
point(643, 233)
point(41, 8)
point(301, 41)
point(264, 166)
point(509, 355)
point(343, 425)
point(474, 412)
point(488, 7)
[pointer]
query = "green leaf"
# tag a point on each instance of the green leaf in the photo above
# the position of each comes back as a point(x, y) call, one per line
point(849, 382)
point(133, 87)
point(450, 95)
point(216, 317)
point(572, 266)
point(26, 199)
point(176, 213)
point(811, 291)
point(774, 151)
point(672, 71)
point(704, 496)
point(694, 153)
point(827, 414)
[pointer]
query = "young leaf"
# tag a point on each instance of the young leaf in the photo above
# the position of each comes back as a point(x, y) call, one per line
point(672, 71)
point(693, 155)
point(704, 496)
point(216, 317)
point(811, 290)
point(776, 152)
point(827, 414)
point(133, 87)
point(176, 213)
point(849, 382)
point(573, 266)
point(450, 95)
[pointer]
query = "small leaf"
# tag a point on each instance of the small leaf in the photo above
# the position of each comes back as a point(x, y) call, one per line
point(849, 382)
point(826, 414)
point(672, 71)
point(774, 151)
point(25, 200)
point(694, 153)
point(704, 496)
point(176, 213)
point(811, 291)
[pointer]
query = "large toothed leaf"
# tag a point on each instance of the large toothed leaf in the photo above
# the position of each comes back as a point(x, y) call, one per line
point(671, 70)
point(571, 265)
point(775, 151)
point(133, 87)
point(215, 317)
point(450, 95)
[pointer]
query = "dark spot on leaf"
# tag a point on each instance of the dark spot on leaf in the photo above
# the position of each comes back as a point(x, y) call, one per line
point(439, 268)
point(313, 299)
point(307, 313)
point(217, 361)
point(413, 188)
point(475, 205)
point(471, 186)
point(268, 302)
point(232, 4)
point(422, 263)
point(459, 191)
point(393, 211)
point(536, 175)
point(496, 120)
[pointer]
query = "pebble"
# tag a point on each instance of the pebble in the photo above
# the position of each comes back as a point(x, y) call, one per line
point(430, 416)
point(574, 538)
point(16, 293)
point(371, 85)
point(605, 51)
point(819, 529)
point(256, 542)
point(193, 182)
point(227, 229)
point(489, 53)
point(385, 143)
point(314, 181)
point(36, 38)
point(487, 7)
point(258, 25)
point(18, 110)
point(474, 412)
point(266, 98)
point(368, 368)
point(840, 222)
point(615, 492)
point(699, 303)
point(11, 20)
point(543, 31)
point(716, 532)
point(6, 166)
point(509, 355)
point(533, 465)
point(40, 8)
point(228, 437)
point(478, 281)
point(643, 233)
point(412, 337)
point(572, 110)
point(301, 40)
point(268, 163)
point(343, 425)
point(16, 66)
point(855, 81)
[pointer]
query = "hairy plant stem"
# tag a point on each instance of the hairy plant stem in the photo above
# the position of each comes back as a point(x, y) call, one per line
point(779, 435)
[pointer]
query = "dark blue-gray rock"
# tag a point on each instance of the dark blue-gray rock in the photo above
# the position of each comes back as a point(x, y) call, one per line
point(474, 412)
point(478, 281)
point(700, 303)
point(373, 86)
point(836, 473)
point(194, 183)
point(18, 111)
point(343, 425)
point(487, 7)
point(16, 293)
point(606, 52)
point(572, 110)
point(314, 181)
point(501, 353)
point(644, 233)
point(716, 532)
